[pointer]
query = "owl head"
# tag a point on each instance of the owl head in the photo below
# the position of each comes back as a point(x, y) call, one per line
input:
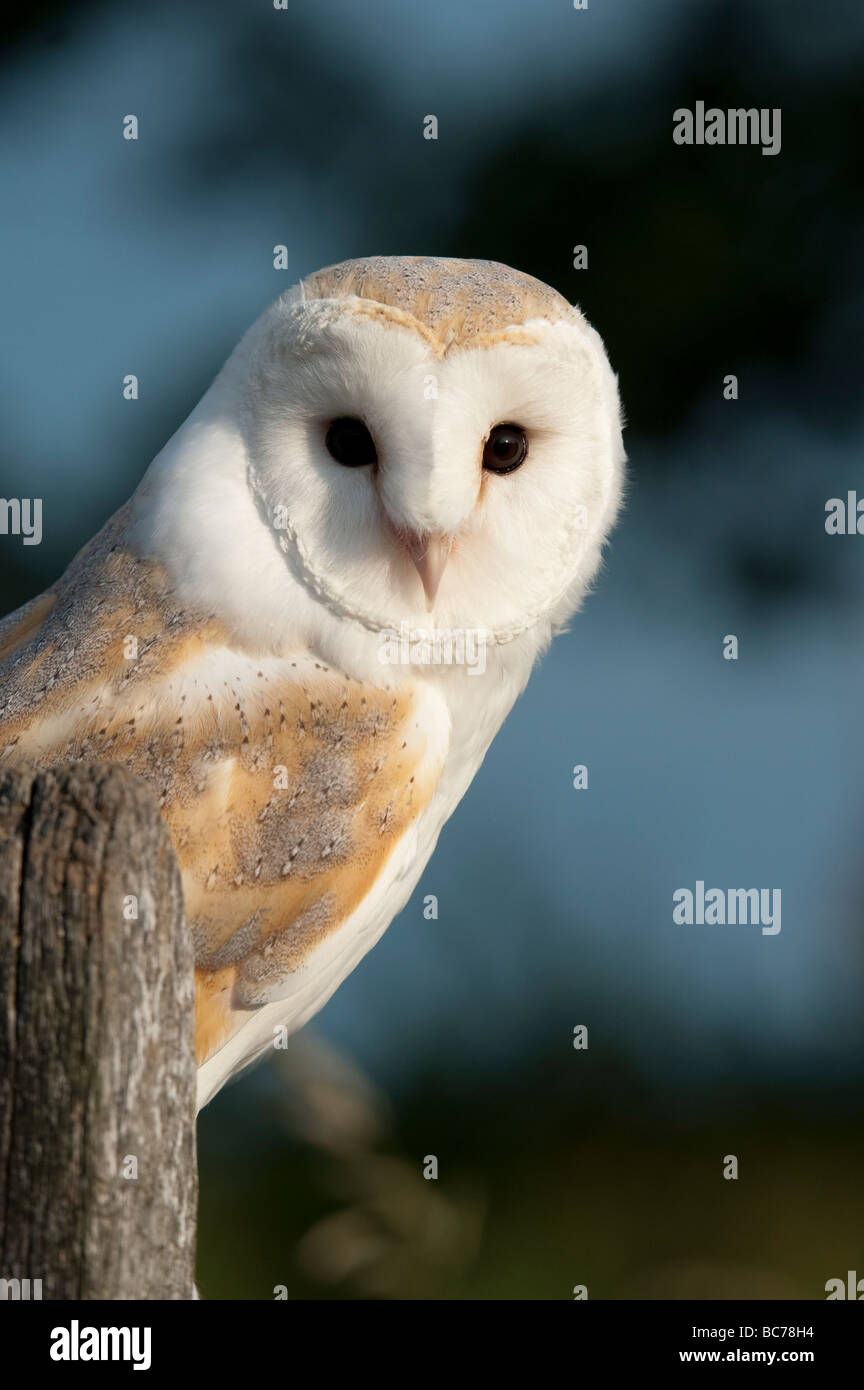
point(405, 436)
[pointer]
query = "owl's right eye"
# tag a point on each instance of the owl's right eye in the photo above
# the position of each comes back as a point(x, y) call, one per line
point(350, 443)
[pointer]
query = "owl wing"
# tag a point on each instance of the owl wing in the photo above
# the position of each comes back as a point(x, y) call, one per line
point(293, 793)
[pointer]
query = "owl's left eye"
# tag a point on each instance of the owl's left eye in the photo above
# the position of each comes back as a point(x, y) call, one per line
point(506, 449)
point(349, 442)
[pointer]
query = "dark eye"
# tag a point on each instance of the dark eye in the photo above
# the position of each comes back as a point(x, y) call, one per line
point(505, 449)
point(350, 443)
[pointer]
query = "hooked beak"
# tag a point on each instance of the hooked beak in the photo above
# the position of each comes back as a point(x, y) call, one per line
point(430, 555)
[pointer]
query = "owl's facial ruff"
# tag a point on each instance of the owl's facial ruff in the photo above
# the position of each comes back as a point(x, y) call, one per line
point(498, 551)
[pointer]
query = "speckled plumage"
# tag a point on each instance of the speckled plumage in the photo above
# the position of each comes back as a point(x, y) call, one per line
point(283, 786)
point(453, 303)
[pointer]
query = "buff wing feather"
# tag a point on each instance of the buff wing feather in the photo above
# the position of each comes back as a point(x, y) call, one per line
point(286, 785)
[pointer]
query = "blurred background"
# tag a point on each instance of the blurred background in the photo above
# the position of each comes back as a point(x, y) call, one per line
point(454, 1039)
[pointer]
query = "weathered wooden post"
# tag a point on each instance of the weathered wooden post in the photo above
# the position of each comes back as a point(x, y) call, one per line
point(98, 1175)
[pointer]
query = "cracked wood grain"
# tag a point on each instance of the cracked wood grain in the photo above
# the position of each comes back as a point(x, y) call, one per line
point(98, 1174)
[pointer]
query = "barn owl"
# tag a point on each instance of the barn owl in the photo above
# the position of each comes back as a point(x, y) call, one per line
point(399, 445)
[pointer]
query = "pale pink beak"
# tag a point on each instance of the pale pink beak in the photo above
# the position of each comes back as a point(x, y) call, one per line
point(430, 555)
